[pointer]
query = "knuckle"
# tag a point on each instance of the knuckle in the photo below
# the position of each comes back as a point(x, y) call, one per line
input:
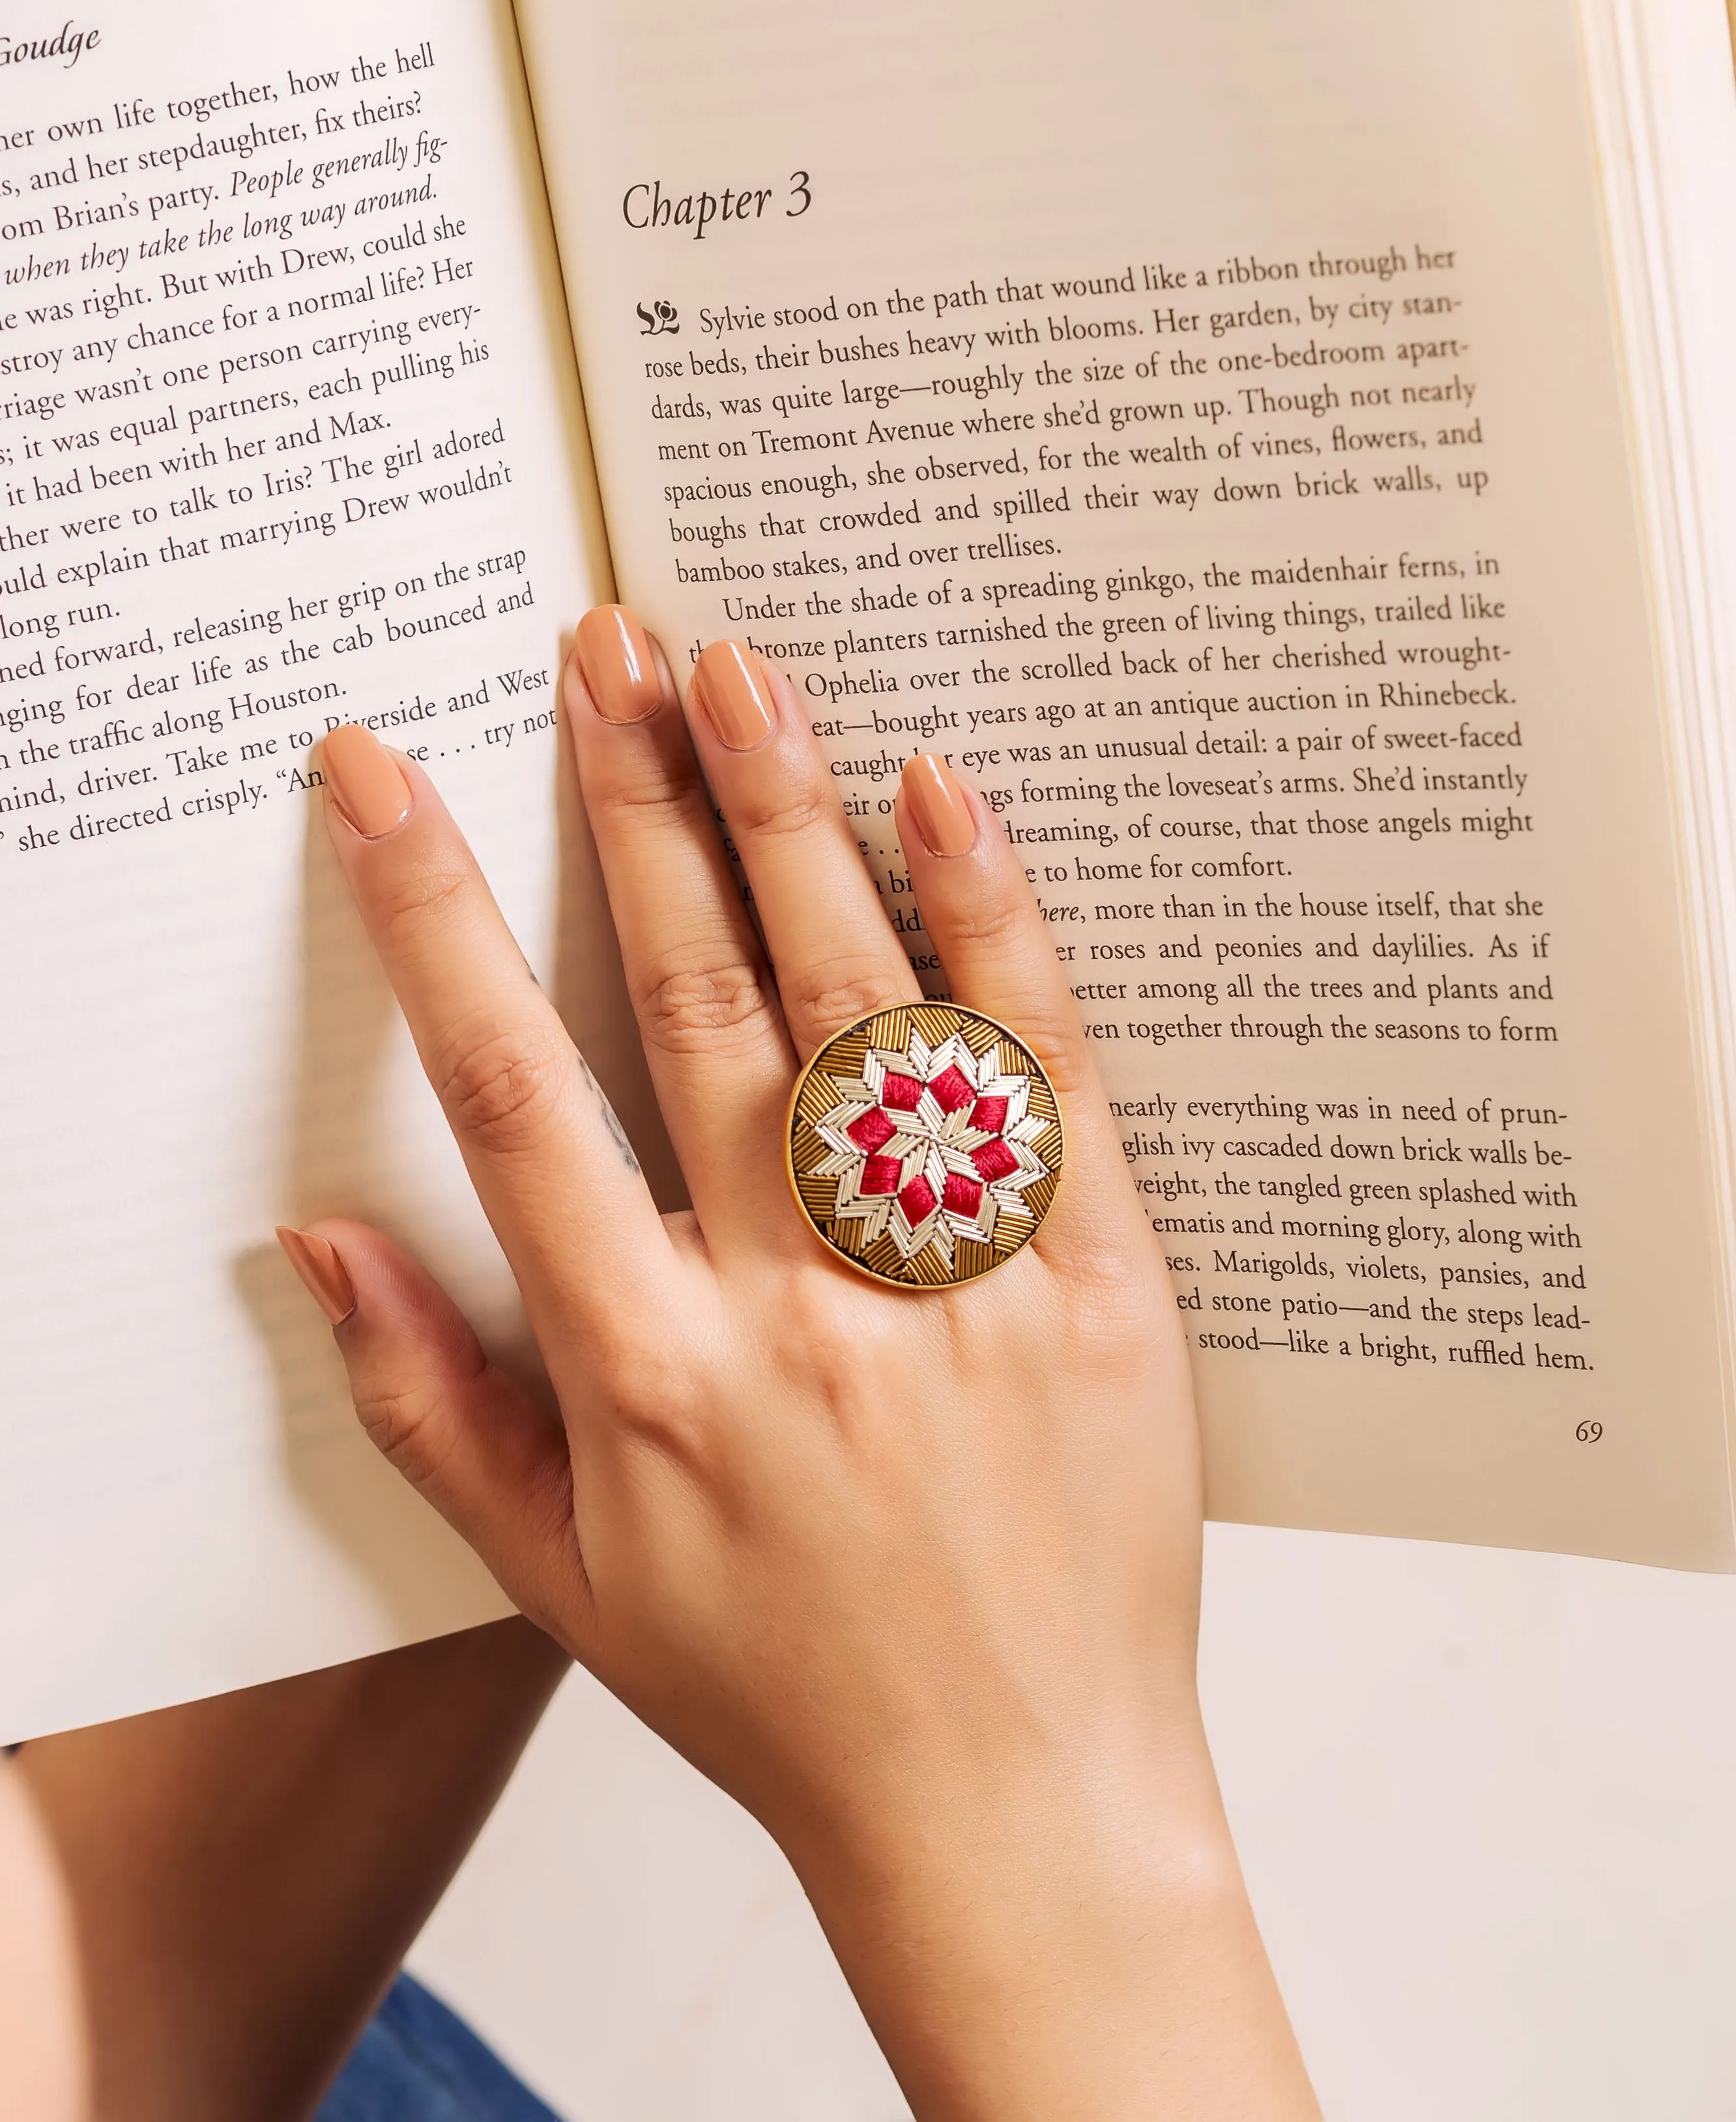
point(501, 1088)
point(397, 1420)
point(662, 800)
point(1004, 933)
point(821, 1000)
point(415, 900)
point(699, 999)
point(669, 1423)
point(655, 1398)
point(1111, 1291)
point(782, 813)
point(819, 1315)
point(1053, 1034)
point(823, 1345)
point(990, 924)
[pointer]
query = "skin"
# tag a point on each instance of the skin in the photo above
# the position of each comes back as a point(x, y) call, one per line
point(914, 1577)
point(200, 1908)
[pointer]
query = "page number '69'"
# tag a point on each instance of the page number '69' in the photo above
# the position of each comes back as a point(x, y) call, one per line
point(1589, 1432)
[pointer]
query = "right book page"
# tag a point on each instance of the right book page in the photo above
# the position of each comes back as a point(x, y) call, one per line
point(1205, 427)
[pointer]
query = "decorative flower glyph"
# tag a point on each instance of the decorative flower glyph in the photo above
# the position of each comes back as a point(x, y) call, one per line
point(932, 1144)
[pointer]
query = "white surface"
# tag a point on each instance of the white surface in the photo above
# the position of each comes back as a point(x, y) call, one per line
point(1485, 1801)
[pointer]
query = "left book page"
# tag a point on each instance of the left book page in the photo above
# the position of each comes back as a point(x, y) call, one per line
point(289, 435)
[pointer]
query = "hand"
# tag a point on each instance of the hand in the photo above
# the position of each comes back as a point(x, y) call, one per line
point(914, 1576)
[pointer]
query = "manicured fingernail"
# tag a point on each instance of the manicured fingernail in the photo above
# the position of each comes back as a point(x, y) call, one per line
point(315, 1259)
point(618, 665)
point(367, 782)
point(734, 688)
point(939, 805)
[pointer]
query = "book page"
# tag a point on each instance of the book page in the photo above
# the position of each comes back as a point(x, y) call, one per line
point(288, 435)
point(1204, 426)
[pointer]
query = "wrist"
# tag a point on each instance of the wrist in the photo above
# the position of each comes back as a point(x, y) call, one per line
point(1059, 1937)
point(1052, 1836)
point(988, 1778)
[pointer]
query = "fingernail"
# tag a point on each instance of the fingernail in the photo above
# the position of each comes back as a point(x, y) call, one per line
point(618, 665)
point(315, 1259)
point(939, 805)
point(367, 782)
point(734, 688)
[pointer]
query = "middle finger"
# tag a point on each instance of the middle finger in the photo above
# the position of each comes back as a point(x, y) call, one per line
point(714, 1036)
point(835, 953)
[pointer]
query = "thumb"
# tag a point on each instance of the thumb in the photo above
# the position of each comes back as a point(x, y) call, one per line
point(462, 1433)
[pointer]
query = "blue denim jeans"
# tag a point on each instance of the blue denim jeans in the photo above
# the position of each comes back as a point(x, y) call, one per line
point(419, 2062)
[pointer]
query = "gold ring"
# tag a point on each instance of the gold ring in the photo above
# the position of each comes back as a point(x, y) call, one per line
point(925, 1144)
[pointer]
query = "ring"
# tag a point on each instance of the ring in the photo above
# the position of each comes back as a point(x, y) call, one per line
point(925, 1144)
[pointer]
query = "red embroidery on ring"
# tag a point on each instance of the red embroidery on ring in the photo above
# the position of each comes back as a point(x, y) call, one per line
point(994, 1160)
point(952, 1089)
point(872, 1132)
point(933, 1145)
point(964, 1197)
point(918, 1201)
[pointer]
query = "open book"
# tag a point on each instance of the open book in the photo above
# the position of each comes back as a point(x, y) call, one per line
point(1285, 458)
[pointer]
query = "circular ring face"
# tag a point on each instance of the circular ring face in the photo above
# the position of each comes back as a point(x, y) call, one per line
point(925, 1145)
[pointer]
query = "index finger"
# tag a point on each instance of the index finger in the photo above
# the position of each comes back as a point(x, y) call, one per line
point(552, 1164)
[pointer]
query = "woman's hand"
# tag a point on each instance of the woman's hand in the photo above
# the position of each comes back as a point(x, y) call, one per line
point(914, 1576)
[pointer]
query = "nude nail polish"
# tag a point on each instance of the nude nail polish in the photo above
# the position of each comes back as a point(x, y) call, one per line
point(734, 688)
point(326, 1280)
point(367, 782)
point(939, 805)
point(618, 665)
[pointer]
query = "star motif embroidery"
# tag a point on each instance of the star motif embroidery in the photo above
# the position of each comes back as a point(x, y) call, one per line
point(931, 1145)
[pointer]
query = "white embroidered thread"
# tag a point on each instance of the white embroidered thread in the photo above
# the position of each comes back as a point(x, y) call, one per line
point(932, 1145)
